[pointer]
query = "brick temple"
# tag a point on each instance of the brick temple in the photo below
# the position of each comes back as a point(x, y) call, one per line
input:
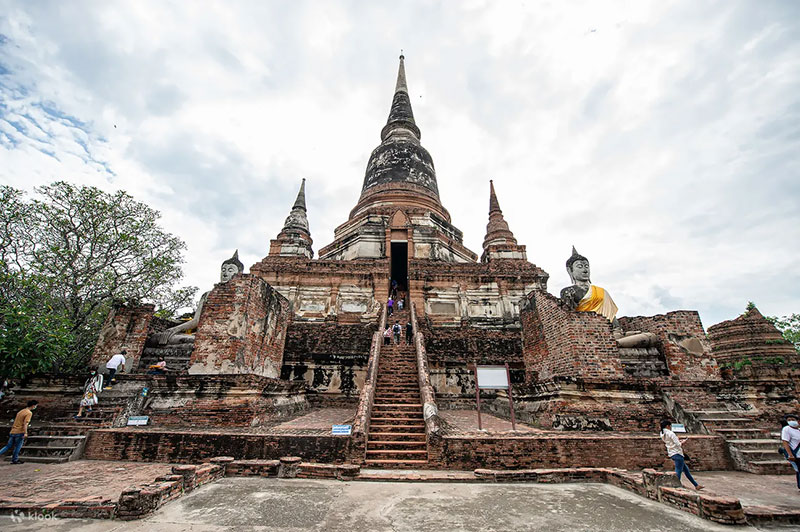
point(296, 344)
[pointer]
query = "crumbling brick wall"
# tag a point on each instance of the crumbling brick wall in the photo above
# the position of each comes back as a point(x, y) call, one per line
point(561, 343)
point(331, 358)
point(750, 337)
point(682, 340)
point(242, 329)
point(126, 327)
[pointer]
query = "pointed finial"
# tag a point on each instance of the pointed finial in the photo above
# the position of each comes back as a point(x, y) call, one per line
point(300, 202)
point(494, 205)
point(401, 76)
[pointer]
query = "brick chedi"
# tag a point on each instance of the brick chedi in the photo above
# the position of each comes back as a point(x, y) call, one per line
point(294, 240)
point(499, 242)
point(749, 336)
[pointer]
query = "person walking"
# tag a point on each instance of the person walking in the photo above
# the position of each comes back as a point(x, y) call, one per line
point(389, 306)
point(19, 432)
point(397, 330)
point(387, 336)
point(409, 333)
point(790, 442)
point(115, 363)
point(675, 451)
point(92, 387)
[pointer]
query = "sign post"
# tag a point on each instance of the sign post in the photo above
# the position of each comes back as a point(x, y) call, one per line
point(493, 378)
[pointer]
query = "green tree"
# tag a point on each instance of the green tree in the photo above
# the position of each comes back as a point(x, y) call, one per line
point(790, 327)
point(33, 336)
point(85, 248)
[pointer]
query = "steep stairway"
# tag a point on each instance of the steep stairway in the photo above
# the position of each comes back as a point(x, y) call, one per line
point(397, 436)
point(753, 448)
point(176, 356)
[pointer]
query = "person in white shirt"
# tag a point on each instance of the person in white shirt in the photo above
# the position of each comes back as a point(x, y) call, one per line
point(115, 363)
point(675, 451)
point(790, 440)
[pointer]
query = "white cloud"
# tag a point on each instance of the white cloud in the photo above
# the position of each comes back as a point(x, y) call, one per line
point(661, 139)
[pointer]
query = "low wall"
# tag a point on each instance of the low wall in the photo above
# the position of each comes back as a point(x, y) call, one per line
point(573, 450)
point(187, 446)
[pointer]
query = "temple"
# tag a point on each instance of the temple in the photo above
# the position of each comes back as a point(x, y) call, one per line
point(295, 335)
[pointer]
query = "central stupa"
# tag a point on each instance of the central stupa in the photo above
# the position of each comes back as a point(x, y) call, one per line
point(399, 211)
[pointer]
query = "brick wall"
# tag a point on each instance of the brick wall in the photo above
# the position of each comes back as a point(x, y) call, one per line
point(242, 329)
point(556, 342)
point(330, 358)
point(216, 401)
point(186, 446)
point(126, 327)
point(574, 450)
point(682, 340)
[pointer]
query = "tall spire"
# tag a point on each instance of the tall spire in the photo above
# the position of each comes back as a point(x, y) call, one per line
point(295, 237)
point(300, 202)
point(499, 242)
point(401, 117)
point(494, 205)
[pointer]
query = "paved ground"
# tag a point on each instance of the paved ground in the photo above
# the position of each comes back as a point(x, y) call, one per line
point(753, 490)
point(241, 504)
point(466, 422)
point(34, 483)
point(319, 420)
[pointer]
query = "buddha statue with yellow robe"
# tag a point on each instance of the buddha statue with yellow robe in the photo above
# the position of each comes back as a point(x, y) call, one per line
point(583, 296)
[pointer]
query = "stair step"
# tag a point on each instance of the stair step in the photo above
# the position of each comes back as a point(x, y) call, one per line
point(399, 426)
point(414, 419)
point(398, 405)
point(41, 459)
point(394, 462)
point(397, 451)
point(401, 442)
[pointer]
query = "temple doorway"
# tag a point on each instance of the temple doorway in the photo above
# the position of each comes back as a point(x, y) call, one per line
point(399, 265)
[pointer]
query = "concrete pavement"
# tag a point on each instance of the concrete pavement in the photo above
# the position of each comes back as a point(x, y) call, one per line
point(265, 504)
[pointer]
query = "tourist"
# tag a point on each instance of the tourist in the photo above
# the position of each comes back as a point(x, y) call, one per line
point(387, 336)
point(397, 329)
point(790, 441)
point(675, 451)
point(409, 333)
point(389, 306)
point(92, 387)
point(19, 431)
point(115, 363)
point(394, 289)
point(400, 304)
point(159, 368)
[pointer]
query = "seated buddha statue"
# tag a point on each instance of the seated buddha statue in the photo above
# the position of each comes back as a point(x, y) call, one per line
point(583, 296)
point(175, 335)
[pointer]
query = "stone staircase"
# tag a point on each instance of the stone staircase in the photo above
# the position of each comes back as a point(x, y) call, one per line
point(643, 362)
point(176, 356)
point(397, 436)
point(753, 448)
point(62, 438)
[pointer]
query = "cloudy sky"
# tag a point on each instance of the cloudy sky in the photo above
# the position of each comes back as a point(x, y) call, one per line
point(662, 139)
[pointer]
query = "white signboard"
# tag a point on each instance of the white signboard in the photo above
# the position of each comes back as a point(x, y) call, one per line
point(342, 430)
point(137, 420)
point(492, 378)
point(677, 427)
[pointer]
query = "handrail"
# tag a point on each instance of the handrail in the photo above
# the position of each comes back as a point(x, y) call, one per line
point(367, 395)
point(430, 411)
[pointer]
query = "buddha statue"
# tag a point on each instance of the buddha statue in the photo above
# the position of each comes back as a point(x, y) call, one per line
point(175, 335)
point(583, 296)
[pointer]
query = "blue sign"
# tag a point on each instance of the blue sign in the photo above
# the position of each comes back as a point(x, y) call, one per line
point(342, 430)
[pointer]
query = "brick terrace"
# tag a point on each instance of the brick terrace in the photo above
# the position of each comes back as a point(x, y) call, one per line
point(101, 480)
point(466, 422)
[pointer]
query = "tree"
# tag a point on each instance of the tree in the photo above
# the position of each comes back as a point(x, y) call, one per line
point(790, 327)
point(33, 337)
point(85, 248)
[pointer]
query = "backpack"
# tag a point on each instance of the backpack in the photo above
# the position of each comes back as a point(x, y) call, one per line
point(397, 329)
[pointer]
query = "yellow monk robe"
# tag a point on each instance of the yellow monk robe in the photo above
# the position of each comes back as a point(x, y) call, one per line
point(599, 301)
